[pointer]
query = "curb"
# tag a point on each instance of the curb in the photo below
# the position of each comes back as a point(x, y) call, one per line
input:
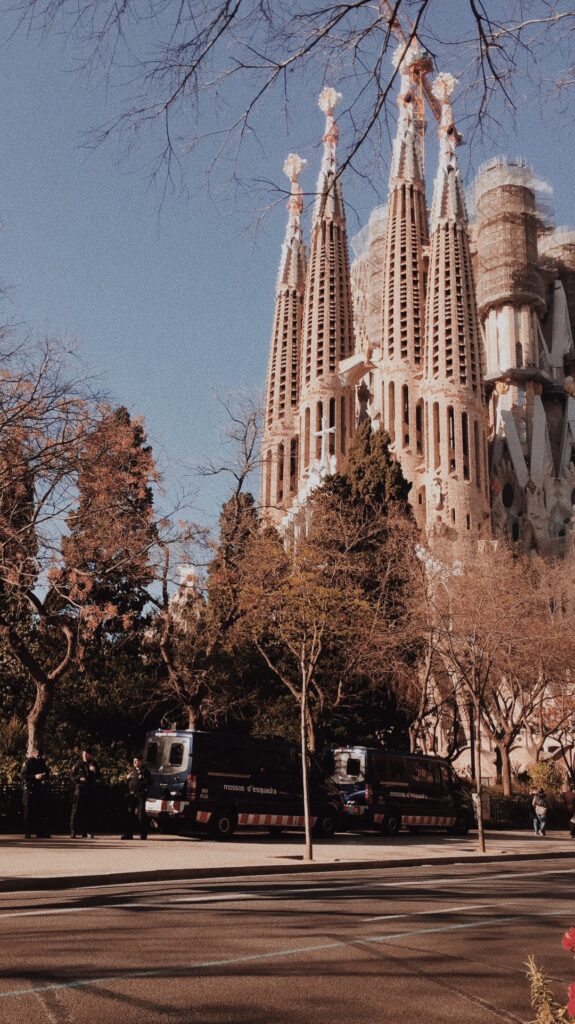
point(55, 882)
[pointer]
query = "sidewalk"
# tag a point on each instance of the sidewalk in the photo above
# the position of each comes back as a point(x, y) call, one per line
point(61, 862)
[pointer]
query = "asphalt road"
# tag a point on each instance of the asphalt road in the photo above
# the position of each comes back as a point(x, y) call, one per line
point(423, 945)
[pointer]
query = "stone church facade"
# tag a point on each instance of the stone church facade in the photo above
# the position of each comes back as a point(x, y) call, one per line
point(454, 335)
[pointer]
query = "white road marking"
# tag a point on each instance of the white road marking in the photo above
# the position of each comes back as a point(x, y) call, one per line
point(275, 955)
point(460, 879)
point(425, 913)
point(262, 892)
point(166, 903)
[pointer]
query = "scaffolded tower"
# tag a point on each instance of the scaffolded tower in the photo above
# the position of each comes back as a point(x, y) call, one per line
point(280, 448)
point(457, 491)
point(403, 291)
point(326, 403)
point(529, 350)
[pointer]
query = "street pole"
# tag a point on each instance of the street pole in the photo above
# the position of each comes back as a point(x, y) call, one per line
point(304, 769)
point(480, 828)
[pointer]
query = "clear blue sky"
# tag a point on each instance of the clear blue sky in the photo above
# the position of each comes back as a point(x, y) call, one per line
point(170, 307)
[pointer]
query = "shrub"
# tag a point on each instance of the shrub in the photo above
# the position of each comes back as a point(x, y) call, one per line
point(546, 775)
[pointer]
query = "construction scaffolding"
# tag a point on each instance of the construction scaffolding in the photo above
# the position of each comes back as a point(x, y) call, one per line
point(511, 206)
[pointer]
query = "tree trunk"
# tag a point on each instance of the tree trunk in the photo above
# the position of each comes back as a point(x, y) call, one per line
point(37, 717)
point(480, 828)
point(304, 772)
point(310, 729)
point(193, 717)
point(505, 751)
point(414, 730)
point(533, 750)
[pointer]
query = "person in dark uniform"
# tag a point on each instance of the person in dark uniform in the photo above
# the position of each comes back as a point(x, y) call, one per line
point(85, 776)
point(139, 781)
point(35, 777)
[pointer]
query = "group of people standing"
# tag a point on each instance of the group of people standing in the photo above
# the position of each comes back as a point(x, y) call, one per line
point(85, 776)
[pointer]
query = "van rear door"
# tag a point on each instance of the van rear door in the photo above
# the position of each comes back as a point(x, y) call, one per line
point(167, 756)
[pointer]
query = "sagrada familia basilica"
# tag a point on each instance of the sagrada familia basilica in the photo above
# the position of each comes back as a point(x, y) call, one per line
point(453, 335)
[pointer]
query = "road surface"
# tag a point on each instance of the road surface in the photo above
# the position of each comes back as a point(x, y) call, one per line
point(418, 945)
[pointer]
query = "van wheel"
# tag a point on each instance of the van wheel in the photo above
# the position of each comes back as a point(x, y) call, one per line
point(391, 823)
point(275, 830)
point(223, 823)
point(326, 823)
point(462, 824)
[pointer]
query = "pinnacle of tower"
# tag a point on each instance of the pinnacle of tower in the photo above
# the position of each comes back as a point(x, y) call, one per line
point(453, 344)
point(328, 317)
point(292, 264)
point(407, 154)
point(406, 235)
point(448, 196)
point(282, 391)
point(329, 202)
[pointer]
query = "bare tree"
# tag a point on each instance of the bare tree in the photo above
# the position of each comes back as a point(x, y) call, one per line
point(502, 638)
point(217, 65)
point(326, 610)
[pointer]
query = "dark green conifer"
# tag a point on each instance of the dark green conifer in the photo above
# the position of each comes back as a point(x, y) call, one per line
point(373, 476)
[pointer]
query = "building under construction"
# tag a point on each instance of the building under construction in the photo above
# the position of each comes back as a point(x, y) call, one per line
point(453, 335)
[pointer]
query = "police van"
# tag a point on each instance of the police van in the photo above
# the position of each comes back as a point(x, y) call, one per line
point(389, 790)
point(222, 781)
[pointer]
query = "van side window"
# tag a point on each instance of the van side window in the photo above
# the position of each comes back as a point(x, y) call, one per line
point(446, 775)
point(388, 769)
point(176, 754)
point(422, 773)
point(353, 767)
point(151, 753)
point(221, 754)
point(395, 769)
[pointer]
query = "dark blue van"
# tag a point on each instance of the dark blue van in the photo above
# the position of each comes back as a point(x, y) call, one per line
point(222, 781)
point(388, 790)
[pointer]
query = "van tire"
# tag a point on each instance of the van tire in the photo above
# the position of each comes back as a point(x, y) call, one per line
point(223, 823)
point(391, 823)
point(462, 824)
point(326, 823)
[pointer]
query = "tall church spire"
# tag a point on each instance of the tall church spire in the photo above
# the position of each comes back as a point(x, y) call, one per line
point(457, 485)
point(280, 442)
point(326, 406)
point(403, 294)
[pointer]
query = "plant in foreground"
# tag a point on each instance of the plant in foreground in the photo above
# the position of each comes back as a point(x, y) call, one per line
point(543, 1001)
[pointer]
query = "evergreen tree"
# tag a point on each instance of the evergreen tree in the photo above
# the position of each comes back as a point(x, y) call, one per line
point(373, 477)
point(211, 672)
point(239, 523)
point(107, 555)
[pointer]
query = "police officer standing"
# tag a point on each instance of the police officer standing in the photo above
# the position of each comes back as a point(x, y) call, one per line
point(85, 776)
point(35, 777)
point(139, 781)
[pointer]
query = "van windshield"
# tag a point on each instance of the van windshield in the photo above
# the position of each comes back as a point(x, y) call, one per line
point(349, 766)
point(167, 753)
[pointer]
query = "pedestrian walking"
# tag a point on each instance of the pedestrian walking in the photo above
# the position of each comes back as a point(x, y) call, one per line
point(539, 805)
point(35, 776)
point(85, 776)
point(139, 781)
point(569, 798)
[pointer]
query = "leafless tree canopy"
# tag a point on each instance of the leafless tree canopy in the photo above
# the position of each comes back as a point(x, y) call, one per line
point(207, 70)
